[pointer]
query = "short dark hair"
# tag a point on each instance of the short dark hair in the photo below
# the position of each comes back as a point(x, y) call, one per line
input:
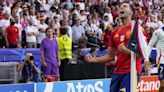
point(63, 31)
point(92, 50)
point(47, 29)
point(81, 11)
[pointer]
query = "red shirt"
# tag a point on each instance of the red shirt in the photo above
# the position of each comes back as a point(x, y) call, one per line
point(122, 36)
point(12, 34)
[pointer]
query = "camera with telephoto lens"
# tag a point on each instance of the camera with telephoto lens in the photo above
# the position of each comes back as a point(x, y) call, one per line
point(31, 57)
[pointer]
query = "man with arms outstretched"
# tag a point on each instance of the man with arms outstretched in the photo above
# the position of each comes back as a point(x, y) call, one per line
point(118, 42)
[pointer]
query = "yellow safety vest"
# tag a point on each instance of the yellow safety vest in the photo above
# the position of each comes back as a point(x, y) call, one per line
point(65, 47)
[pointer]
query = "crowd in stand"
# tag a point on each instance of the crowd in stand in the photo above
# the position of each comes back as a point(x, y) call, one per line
point(89, 22)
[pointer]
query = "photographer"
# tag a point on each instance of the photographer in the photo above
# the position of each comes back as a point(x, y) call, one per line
point(30, 72)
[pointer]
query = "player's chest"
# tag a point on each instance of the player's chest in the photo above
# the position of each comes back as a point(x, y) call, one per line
point(122, 37)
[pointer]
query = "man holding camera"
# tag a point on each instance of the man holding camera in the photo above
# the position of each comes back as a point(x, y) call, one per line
point(30, 72)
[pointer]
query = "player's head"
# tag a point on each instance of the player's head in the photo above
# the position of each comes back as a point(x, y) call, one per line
point(125, 10)
point(49, 33)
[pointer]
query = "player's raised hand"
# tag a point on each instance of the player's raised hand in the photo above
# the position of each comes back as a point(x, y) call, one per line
point(122, 48)
point(147, 66)
point(89, 58)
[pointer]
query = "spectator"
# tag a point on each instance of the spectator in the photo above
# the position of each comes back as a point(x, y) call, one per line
point(24, 23)
point(12, 35)
point(33, 16)
point(79, 33)
point(83, 17)
point(6, 21)
point(49, 55)
point(42, 26)
point(31, 33)
point(68, 3)
point(106, 21)
point(7, 7)
point(109, 14)
point(106, 34)
point(92, 53)
point(77, 10)
point(91, 32)
point(20, 28)
point(64, 24)
point(65, 12)
point(54, 24)
point(30, 71)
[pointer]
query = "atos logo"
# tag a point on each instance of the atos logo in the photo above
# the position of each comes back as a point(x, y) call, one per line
point(96, 87)
point(19, 91)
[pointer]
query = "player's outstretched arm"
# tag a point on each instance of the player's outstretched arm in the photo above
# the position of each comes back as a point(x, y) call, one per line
point(103, 59)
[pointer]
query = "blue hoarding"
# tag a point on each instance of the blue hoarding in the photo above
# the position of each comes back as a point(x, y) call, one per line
point(100, 85)
point(17, 88)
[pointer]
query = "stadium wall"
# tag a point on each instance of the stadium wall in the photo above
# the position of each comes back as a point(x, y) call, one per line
point(147, 84)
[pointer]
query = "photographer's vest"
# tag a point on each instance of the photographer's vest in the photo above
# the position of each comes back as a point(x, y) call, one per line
point(65, 47)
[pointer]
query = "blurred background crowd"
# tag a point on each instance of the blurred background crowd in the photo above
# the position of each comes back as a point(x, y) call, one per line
point(89, 22)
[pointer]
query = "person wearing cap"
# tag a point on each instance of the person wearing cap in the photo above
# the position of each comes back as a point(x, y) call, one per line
point(25, 8)
point(30, 71)
point(42, 26)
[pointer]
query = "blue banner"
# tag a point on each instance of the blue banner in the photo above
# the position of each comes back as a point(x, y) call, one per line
point(99, 85)
point(17, 88)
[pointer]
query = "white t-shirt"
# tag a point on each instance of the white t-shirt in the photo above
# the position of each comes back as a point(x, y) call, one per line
point(82, 5)
point(41, 35)
point(77, 13)
point(106, 23)
point(34, 20)
point(69, 31)
point(110, 20)
point(83, 18)
point(98, 31)
point(151, 24)
point(160, 24)
point(4, 23)
point(7, 9)
point(19, 26)
point(46, 7)
point(30, 29)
